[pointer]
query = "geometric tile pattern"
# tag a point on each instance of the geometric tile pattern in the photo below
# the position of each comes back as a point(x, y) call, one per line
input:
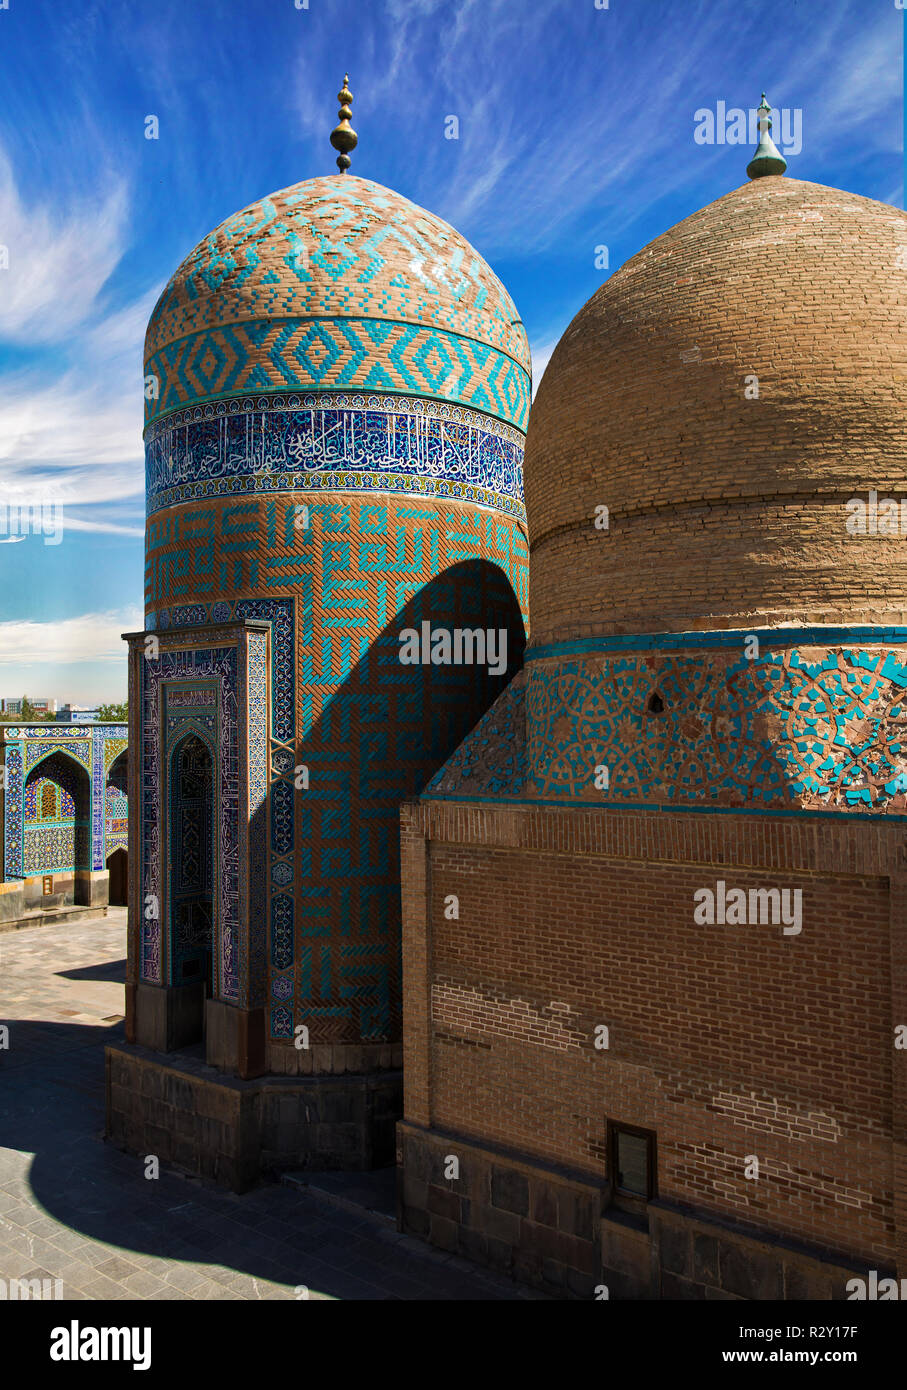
point(491, 760)
point(214, 668)
point(59, 841)
point(317, 280)
point(116, 805)
point(361, 443)
point(369, 731)
point(387, 492)
point(82, 840)
point(817, 728)
point(342, 355)
point(357, 555)
point(192, 861)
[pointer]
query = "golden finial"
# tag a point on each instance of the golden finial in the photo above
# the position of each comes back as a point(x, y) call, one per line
point(344, 137)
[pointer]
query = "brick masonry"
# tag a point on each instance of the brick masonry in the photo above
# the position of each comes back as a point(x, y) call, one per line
point(727, 1041)
point(727, 511)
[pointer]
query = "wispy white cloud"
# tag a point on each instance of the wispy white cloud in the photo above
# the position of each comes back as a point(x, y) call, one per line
point(59, 259)
point(110, 528)
point(590, 112)
point(70, 421)
point(76, 438)
point(89, 638)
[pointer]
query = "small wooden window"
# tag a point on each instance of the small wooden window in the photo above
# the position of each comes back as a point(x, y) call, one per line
point(631, 1158)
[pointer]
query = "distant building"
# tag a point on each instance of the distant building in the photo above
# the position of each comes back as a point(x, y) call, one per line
point(76, 714)
point(40, 705)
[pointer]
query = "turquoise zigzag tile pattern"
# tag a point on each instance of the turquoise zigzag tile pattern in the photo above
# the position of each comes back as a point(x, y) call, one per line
point(337, 283)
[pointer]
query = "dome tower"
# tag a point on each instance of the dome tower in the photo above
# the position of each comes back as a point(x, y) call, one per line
point(338, 388)
point(708, 616)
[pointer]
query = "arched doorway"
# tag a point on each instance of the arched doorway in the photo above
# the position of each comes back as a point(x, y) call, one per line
point(116, 829)
point(191, 862)
point(57, 821)
point(118, 871)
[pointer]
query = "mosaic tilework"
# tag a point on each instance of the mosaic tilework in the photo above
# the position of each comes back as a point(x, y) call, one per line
point(280, 614)
point(210, 553)
point(49, 793)
point(113, 747)
point(36, 749)
point(801, 728)
point(13, 813)
point(98, 859)
point(364, 442)
point(116, 805)
point(93, 747)
point(340, 247)
point(191, 862)
point(368, 730)
point(491, 760)
point(256, 682)
point(65, 843)
point(212, 667)
point(56, 849)
point(294, 354)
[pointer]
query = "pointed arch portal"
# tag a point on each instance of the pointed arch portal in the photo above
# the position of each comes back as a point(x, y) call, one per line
point(192, 877)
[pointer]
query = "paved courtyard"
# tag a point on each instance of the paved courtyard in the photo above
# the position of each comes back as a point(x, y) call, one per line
point(74, 1208)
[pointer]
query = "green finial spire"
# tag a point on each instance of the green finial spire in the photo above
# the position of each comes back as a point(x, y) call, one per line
point(768, 159)
point(343, 137)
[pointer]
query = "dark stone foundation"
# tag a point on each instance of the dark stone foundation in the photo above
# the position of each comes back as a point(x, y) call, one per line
point(233, 1129)
point(556, 1230)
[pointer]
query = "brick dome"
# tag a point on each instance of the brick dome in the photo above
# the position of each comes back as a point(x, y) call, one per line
point(338, 283)
point(726, 511)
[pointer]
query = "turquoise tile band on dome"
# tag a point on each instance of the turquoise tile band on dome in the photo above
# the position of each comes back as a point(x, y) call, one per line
point(344, 249)
point(818, 722)
point(334, 443)
point(299, 354)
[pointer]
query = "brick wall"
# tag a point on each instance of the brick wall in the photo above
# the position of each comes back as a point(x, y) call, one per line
point(728, 1041)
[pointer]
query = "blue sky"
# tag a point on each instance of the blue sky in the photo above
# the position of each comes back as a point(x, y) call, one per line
point(576, 130)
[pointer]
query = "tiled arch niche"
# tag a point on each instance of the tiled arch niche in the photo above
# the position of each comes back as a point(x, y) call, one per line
point(210, 683)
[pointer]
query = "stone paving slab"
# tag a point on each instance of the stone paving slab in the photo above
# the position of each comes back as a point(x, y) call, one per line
point(76, 1209)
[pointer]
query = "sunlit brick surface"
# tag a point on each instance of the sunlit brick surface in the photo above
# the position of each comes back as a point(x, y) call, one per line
point(727, 511)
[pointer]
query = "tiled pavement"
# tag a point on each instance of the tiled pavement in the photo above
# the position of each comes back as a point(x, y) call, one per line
point(74, 1208)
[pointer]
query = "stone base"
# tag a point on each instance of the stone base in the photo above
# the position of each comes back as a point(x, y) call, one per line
point(51, 917)
point(92, 888)
point(233, 1130)
point(78, 888)
point(334, 1059)
point(555, 1230)
point(539, 1225)
point(164, 1019)
point(12, 900)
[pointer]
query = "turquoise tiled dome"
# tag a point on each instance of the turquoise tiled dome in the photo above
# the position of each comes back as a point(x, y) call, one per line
point(337, 284)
